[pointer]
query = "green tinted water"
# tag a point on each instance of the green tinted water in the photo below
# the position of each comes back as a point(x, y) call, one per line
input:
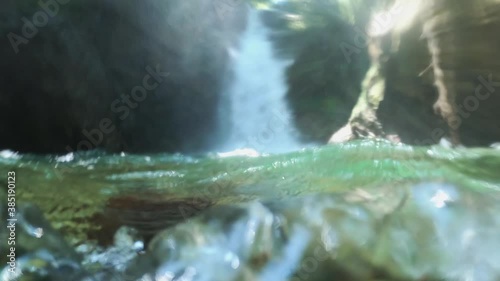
point(73, 191)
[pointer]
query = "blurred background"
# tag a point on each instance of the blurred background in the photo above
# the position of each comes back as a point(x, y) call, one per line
point(62, 77)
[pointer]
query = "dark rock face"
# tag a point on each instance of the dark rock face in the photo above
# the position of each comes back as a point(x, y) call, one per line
point(433, 75)
point(325, 78)
point(323, 82)
point(142, 76)
point(464, 51)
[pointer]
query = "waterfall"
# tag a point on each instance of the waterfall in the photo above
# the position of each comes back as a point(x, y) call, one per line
point(259, 116)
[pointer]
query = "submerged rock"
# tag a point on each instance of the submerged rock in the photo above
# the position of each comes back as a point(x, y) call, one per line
point(426, 232)
point(40, 253)
point(430, 231)
point(149, 213)
point(110, 264)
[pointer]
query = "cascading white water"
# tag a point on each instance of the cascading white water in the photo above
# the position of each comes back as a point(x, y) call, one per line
point(260, 119)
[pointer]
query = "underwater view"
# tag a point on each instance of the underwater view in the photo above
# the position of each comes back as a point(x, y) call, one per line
point(273, 140)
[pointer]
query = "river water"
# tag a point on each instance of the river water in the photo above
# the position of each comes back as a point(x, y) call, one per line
point(371, 208)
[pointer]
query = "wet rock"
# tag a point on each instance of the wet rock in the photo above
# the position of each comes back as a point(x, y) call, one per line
point(425, 232)
point(40, 252)
point(109, 264)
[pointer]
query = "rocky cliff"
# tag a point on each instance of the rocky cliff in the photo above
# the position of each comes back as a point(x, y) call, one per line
point(433, 74)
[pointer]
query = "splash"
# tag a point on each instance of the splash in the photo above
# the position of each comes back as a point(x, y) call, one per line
point(259, 116)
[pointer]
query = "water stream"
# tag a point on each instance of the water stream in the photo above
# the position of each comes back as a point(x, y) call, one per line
point(358, 210)
point(259, 116)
